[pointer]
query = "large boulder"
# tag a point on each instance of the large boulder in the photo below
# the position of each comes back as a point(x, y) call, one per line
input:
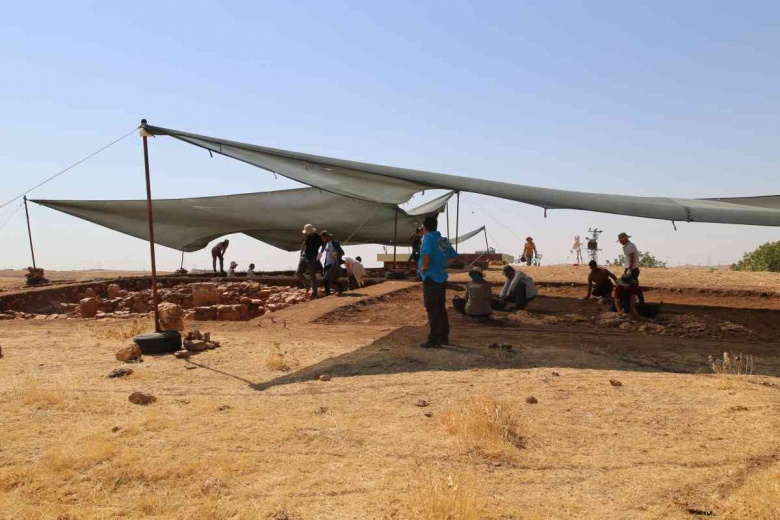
point(90, 293)
point(204, 294)
point(171, 316)
point(113, 291)
point(140, 305)
point(89, 307)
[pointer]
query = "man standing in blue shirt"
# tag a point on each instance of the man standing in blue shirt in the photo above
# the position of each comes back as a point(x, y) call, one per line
point(435, 253)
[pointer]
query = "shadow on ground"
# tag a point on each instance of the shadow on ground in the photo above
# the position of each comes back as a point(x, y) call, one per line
point(396, 353)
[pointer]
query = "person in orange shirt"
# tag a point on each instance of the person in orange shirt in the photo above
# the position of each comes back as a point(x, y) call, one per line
point(529, 250)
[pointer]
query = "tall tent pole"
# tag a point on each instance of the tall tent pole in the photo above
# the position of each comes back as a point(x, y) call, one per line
point(29, 233)
point(487, 247)
point(395, 238)
point(151, 227)
point(457, 220)
point(448, 219)
point(182, 260)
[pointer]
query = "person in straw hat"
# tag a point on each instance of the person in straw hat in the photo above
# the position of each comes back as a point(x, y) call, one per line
point(311, 247)
point(478, 296)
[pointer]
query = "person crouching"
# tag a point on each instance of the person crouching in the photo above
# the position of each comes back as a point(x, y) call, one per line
point(519, 290)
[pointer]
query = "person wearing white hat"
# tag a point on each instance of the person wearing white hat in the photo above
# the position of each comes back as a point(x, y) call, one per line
point(232, 271)
point(311, 247)
point(631, 255)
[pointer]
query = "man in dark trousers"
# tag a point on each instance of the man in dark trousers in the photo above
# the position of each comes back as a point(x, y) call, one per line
point(331, 262)
point(416, 243)
point(310, 250)
point(435, 253)
point(218, 251)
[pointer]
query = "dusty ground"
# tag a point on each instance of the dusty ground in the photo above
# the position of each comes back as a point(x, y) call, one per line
point(231, 438)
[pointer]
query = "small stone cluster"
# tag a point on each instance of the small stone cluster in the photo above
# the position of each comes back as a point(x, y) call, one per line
point(235, 301)
point(196, 341)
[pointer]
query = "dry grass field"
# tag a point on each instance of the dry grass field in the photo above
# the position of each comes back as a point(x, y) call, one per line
point(622, 424)
point(14, 279)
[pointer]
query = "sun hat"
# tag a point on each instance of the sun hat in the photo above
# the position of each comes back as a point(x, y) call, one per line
point(623, 235)
point(233, 264)
point(308, 229)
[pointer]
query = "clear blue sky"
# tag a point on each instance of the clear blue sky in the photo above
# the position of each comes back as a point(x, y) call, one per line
point(652, 98)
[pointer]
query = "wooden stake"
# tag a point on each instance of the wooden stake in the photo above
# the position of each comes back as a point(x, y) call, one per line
point(151, 228)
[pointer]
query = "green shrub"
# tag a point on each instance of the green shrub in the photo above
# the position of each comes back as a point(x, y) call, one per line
point(765, 258)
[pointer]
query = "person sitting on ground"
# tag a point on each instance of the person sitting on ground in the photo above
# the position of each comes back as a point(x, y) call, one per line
point(626, 295)
point(218, 251)
point(518, 291)
point(355, 270)
point(529, 251)
point(232, 271)
point(476, 301)
point(251, 270)
point(332, 262)
point(600, 281)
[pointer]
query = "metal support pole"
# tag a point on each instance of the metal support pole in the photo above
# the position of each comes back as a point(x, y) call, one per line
point(457, 220)
point(29, 233)
point(395, 238)
point(448, 219)
point(487, 247)
point(151, 228)
point(182, 260)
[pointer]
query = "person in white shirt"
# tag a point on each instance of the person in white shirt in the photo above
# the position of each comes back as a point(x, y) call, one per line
point(232, 271)
point(631, 254)
point(518, 291)
point(354, 269)
point(251, 270)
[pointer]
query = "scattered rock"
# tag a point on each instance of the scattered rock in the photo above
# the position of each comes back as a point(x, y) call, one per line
point(324, 377)
point(531, 400)
point(197, 345)
point(191, 367)
point(728, 326)
point(625, 326)
point(129, 353)
point(1, 352)
point(556, 374)
point(494, 345)
point(141, 398)
point(615, 382)
point(321, 410)
point(113, 291)
point(739, 408)
point(115, 429)
point(89, 293)
point(428, 414)
point(421, 403)
point(120, 372)
point(182, 354)
point(223, 408)
point(506, 347)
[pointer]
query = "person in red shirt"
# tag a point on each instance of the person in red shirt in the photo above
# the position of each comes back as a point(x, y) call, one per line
point(626, 294)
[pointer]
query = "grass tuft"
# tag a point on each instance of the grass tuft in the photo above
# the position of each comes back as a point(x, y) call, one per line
point(486, 427)
point(280, 361)
point(436, 496)
point(732, 364)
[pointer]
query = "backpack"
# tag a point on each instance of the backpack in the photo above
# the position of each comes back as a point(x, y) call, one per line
point(446, 249)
